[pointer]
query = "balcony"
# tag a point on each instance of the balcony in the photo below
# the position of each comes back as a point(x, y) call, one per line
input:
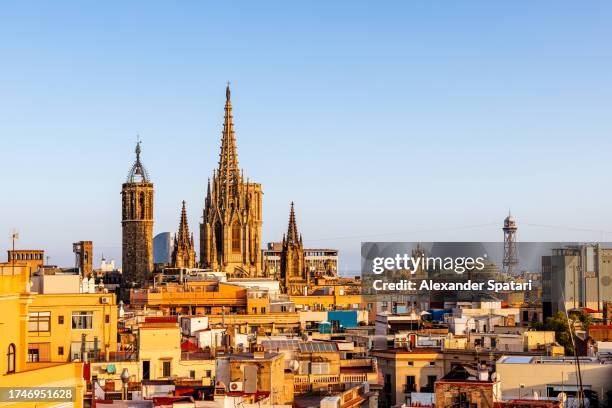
point(357, 362)
point(408, 388)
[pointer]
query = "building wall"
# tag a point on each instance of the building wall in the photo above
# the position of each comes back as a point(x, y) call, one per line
point(327, 302)
point(62, 306)
point(15, 301)
point(159, 343)
point(33, 258)
point(474, 394)
point(396, 366)
point(535, 377)
point(48, 284)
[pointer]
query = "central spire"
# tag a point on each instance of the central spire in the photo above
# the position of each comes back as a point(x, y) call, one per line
point(228, 174)
point(292, 232)
point(183, 232)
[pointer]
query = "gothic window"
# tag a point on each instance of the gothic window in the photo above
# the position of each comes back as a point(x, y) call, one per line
point(132, 205)
point(142, 206)
point(124, 206)
point(236, 237)
point(10, 356)
point(150, 207)
point(219, 239)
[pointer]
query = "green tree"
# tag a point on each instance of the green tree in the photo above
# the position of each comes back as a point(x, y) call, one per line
point(583, 317)
point(558, 324)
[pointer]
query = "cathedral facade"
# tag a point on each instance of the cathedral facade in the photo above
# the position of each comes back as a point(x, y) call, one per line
point(137, 227)
point(183, 254)
point(230, 234)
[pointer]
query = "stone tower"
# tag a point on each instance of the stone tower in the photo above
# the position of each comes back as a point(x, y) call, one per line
point(83, 256)
point(183, 255)
point(294, 276)
point(137, 225)
point(230, 234)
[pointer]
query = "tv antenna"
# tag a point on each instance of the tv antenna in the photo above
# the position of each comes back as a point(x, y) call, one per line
point(13, 236)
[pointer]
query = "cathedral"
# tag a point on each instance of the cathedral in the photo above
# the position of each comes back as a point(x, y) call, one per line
point(230, 234)
point(137, 227)
point(183, 254)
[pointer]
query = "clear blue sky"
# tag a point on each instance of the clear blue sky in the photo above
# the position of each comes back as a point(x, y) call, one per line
point(379, 119)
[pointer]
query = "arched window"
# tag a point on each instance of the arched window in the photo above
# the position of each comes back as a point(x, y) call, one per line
point(10, 356)
point(142, 206)
point(236, 237)
point(219, 240)
point(132, 206)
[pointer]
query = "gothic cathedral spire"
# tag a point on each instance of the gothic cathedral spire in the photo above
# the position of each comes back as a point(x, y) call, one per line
point(294, 276)
point(183, 254)
point(292, 231)
point(230, 234)
point(228, 174)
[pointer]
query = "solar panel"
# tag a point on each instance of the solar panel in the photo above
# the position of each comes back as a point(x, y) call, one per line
point(318, 347)
point(280, 344)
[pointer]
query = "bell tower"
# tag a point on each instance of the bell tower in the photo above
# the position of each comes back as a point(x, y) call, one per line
point(137, 226)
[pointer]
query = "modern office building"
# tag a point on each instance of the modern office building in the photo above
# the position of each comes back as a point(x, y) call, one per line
point(163, 246)
point(576, 277)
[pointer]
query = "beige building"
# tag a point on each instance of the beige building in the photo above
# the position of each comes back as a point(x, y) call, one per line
point(548, 376)
point(407, 371)
point(319, 262)
point(576, 277)
point(252, 374)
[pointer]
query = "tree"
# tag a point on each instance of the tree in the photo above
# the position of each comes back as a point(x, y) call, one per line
point(558, 324)
point(582, 316)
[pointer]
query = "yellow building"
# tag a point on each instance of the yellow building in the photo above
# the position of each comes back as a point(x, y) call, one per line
point(159, 357)
point(33, 258)
point(15, 370)
point(251, 374)
point(408, 371)
point(337, 300)
point(321, 366)
point(195, 298)
point(59, 325)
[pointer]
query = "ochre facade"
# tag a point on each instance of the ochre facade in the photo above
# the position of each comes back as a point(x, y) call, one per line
point(230, 234)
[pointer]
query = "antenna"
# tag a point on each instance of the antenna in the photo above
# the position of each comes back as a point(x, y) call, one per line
point(510, 261)
point(14, 236)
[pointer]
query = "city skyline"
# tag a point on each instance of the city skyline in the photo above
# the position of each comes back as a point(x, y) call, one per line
point(309, 127)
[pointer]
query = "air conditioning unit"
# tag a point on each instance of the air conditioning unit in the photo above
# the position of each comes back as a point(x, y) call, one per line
point(235, 386)
point(104, 300)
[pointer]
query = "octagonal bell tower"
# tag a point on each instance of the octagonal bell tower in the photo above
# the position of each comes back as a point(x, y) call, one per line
point(137, 226)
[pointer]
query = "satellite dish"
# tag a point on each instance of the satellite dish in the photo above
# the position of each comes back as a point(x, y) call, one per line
point(562, 397)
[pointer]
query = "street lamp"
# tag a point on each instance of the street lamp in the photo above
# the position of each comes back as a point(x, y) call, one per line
point(125, 376)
